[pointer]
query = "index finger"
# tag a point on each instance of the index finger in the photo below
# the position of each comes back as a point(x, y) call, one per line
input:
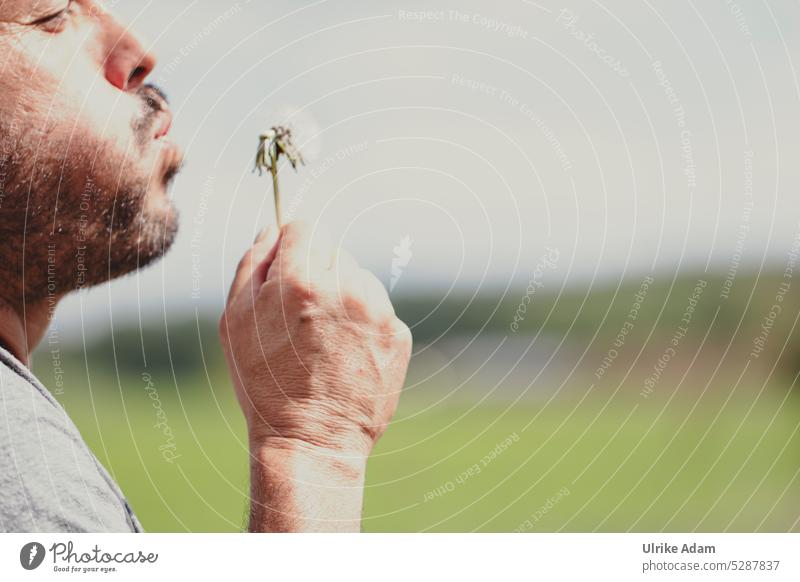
point(254, 266)
point(300, 252)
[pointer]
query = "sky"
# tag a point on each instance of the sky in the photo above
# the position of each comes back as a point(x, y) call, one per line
point(453, 145)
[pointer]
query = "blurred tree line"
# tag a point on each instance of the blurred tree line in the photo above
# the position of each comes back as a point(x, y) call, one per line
point(731, 320)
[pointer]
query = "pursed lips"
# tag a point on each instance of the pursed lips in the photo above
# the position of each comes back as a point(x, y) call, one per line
point(171, 154)
point(163, 123)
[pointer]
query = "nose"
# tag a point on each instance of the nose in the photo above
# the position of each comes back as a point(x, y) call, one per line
point(126, 62)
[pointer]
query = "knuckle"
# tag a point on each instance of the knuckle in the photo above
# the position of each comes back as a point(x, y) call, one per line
point(395, 336)
point(403, 334)
point(355, 306)
point(302, 289)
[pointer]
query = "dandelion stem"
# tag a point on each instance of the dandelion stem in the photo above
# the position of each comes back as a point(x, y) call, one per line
point(273, 144)
point(276, 190)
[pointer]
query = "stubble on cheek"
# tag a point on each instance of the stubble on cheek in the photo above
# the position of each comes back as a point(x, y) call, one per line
point(76, 210)
point(80, 184)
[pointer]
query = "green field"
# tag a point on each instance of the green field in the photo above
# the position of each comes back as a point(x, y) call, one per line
point(660, 467)
point(714, 447)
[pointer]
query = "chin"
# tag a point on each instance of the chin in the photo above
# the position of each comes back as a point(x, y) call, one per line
point(158, 203)
point(163, 216)
point(155, 236)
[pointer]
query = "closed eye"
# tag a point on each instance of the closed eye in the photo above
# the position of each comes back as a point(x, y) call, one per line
point(55, 18)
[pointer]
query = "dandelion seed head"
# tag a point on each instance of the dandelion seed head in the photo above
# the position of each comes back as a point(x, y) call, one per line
point(306, 133)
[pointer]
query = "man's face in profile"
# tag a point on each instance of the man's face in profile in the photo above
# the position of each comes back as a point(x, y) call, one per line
point(84, 158)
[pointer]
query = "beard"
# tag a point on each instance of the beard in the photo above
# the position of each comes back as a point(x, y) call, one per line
point(74, 209)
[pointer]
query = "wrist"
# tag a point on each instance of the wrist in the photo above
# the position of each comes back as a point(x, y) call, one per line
point(342, 440)
point(341, 464)
point(297, 486)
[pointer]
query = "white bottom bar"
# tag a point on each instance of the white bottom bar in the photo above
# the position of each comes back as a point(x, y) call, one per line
point(410, 558)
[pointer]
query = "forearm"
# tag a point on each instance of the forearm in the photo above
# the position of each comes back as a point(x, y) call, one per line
point(300, 488)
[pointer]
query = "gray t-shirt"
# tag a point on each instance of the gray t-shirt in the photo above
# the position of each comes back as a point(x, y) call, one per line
point(50, 481)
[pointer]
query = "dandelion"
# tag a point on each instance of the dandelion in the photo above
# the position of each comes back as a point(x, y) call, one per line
point(273, 144)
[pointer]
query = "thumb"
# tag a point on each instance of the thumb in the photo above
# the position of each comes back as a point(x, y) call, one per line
point(252, 270)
